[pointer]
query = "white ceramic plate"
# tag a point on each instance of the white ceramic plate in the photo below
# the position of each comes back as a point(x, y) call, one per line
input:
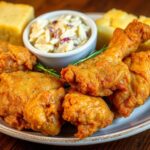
point(121, 128)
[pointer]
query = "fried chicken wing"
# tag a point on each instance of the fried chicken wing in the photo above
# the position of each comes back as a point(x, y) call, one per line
point(23, 93)
point(105, 73)
point(14, 58)
point(138, 90)
point(86, 112)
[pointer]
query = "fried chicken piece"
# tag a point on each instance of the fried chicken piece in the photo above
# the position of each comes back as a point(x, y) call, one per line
point(41, 91)
point(138, 90)
point(14, 58)
point(104, 74)
point(43, 113)
point(86, 112)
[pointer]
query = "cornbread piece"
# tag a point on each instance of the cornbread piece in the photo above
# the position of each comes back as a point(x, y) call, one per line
point(14, 58)
point(117, 19)
point(13, 19)
point(109, 22)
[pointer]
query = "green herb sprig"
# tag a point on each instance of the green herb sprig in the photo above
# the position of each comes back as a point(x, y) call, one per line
point(92, 55)
point(54, 73)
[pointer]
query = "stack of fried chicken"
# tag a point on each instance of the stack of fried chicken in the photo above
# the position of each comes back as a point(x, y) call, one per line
point(37, 101)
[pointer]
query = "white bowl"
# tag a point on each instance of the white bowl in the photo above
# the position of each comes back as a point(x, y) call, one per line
point(59, 60)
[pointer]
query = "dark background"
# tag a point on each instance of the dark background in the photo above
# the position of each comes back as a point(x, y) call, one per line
point(138, 7)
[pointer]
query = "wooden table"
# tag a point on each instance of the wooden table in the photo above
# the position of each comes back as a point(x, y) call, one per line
point(138, 7)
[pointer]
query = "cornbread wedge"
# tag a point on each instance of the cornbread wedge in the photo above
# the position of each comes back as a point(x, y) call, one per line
point(114, 19)
point(109, 22)
point(13, 19)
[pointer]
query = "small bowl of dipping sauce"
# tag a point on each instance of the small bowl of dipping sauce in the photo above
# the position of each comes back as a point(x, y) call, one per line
point(60, 38)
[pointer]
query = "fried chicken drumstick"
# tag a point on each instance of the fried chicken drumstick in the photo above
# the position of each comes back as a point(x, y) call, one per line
point(138, 89)
point(86, 112)
point(14, 58)
point(31, 100)
point(106, 72)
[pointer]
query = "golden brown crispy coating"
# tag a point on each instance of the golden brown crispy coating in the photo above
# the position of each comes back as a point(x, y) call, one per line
point(103, 74)
point(89, 82)
point(138, 89)
point(43, 113)
point(18, 88)
point(86, 112)
point(14, 58)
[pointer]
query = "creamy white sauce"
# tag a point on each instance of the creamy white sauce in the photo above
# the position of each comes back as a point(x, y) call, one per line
point(62, 34)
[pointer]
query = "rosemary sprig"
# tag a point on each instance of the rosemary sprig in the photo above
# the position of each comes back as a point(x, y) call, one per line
point(52, 72)
point(92, 55)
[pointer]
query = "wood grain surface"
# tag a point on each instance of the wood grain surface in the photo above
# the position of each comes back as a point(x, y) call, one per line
point(138, 7)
